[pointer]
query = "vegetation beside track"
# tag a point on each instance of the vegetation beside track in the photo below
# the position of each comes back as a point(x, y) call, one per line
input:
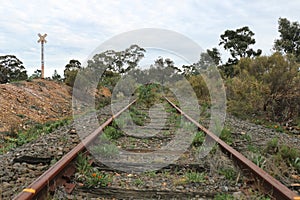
point(10, 141)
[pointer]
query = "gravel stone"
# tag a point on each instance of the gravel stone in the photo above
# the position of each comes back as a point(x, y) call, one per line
point(14, 177)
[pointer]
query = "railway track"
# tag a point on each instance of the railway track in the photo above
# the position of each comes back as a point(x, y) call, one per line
point(187, 170)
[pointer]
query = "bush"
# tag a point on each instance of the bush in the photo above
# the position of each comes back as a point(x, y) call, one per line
point(149, 93)
point(70, 77)
point(266, 85)
point(246, 95)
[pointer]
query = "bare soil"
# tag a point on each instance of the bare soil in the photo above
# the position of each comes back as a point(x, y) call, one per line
point(25, 103)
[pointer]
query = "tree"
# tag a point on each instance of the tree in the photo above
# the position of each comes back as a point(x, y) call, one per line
point(167, 64)
point(215, 55)
point(110, 65)
point(189, 70)
point(117, 61)
point(164, 70)
point(72, 65)
point(237, 42)
point(56, 76)
point(11, 69)
point(132, 56)
point(36, 74)
point(70, 72)
point(207, 59)
point(289, 41)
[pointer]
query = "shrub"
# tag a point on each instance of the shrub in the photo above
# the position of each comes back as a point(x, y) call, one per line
point(268, 85)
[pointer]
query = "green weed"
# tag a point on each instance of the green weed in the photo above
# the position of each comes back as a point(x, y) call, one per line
point(252, 148)
point(259, 160)
point(226, 136)
point(89, 176)
point(195, 177)
point(18, 138)
point(288, 153)
point(138, 182)
point(246, 137)
point(296, 164)
point(229, 173)
point(151, 174)
point(198, 139)
point(112, 133)
point(272, 146)
point(106, 150)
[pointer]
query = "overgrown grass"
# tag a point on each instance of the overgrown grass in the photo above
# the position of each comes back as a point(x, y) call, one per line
point(283, 153)
point(138, 117)
point(89, 176)
point(175, 119)
point(195, 177)
point(252, 148)
point(259, 160)
point(17, 138)
point(272, 146)
point(105, 148)
point(226, 136)
point(138, 182)
point(229, 173)
point(150, 93)
point(290, 155)
point(112, 132)
point(198, 139)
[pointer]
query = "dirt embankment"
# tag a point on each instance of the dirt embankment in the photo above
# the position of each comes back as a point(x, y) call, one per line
point(25, 103)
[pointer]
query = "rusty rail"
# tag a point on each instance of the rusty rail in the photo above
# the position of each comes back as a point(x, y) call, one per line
point(270, 184)
point(33, 190)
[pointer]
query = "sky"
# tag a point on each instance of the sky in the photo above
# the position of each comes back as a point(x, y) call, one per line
point(76, 28)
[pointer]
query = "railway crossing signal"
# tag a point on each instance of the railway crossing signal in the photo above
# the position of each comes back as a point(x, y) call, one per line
point(42, 40)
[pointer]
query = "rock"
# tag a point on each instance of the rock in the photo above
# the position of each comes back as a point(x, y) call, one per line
point(17, 165)
point(20, 180)
point(237, 195)
point(30, 166)
point(180, 187)
point(224, 189)
point(42, 167)
point(72, 131)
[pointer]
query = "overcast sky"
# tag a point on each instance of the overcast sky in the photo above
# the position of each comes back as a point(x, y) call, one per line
point(76, 28)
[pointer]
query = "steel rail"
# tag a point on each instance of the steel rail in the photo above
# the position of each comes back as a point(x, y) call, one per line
point(33, 190)
point(270, 184)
